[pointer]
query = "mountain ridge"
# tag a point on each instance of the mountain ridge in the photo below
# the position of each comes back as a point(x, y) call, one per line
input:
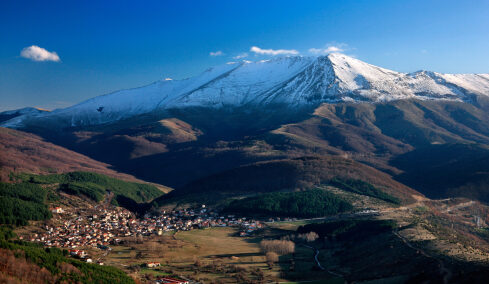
point(284, 81)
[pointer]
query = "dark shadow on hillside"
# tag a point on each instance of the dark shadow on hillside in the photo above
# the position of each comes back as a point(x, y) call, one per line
point(447, 170)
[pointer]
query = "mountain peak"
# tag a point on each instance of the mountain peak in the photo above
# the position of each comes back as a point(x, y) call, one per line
point(290, 81)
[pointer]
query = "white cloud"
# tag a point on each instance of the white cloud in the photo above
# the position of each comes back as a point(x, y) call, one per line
point(242, 55)
point(330, 48)
point(258, 50)
point(37, 53)
point(216, 53)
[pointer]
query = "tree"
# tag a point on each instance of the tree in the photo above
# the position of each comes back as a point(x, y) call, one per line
point(272, 258)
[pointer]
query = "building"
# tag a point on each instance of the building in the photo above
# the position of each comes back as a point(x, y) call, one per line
point(57, 210)
point(152, 264)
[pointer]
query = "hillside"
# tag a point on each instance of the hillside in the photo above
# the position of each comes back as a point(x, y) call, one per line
point(284, 175)
point(447, 170)
point(24, 262)
point(25, 152)
point(96, 186)
point(31, 195)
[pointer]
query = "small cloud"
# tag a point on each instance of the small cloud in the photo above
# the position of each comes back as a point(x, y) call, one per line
point(242, 55)
point(424, 51)
point(330, 48)
point(274, 52)
point(37, 53)
point(216, 53)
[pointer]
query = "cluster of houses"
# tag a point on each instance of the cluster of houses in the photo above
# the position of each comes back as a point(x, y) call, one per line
point(95, 227)
point(101, 227)
point(198, 218)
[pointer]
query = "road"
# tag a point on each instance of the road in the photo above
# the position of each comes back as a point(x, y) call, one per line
point(316, 254)
point(332, 218)
point(459, 206)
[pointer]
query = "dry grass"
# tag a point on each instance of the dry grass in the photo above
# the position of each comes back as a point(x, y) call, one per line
point(179, 253)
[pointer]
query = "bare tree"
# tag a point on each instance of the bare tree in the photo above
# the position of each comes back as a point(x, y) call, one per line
point(272, 258)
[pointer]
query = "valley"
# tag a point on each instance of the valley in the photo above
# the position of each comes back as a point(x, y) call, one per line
point(428, 239)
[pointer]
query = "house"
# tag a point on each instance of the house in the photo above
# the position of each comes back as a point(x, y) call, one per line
point(152, 264)
point(77, 253)
point(57, 210)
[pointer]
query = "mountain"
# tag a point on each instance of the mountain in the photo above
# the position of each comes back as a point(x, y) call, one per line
point(291, 82)
point(239, 114)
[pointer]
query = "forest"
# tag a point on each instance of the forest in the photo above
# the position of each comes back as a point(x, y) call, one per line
point(363, 188)
point(305, 204)
point(21, 202)
point(95, 186)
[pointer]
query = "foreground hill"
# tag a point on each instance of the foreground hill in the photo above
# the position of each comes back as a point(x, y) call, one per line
point(24, 262)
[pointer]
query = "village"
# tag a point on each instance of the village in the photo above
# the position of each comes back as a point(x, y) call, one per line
point(100, 227)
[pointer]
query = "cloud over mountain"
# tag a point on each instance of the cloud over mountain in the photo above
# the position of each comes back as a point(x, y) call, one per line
point(330, 48)
point(37, 53)
point(258, 50)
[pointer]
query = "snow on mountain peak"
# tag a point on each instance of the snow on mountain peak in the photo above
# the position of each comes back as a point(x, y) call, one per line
point(291, 80)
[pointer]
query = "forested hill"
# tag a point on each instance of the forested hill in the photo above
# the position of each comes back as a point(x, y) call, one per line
point(285, 175)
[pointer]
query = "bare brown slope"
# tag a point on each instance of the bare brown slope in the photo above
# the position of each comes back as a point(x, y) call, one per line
point(25, 152)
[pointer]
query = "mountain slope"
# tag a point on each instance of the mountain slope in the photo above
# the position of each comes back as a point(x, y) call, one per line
point(24, 152)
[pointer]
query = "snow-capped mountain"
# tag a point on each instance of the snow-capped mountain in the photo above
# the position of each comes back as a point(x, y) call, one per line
point(289, 81)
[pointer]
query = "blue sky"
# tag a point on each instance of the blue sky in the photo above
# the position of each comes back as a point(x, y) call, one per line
point(104, 46)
